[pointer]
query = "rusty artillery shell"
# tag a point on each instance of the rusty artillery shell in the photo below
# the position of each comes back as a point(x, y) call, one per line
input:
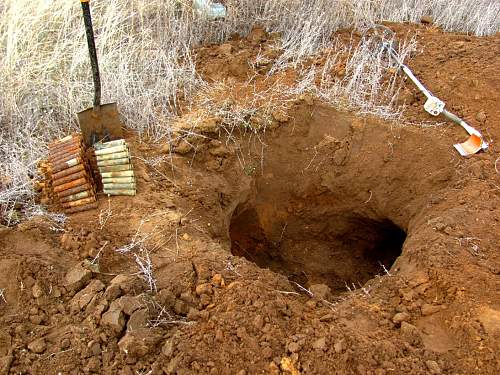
point(68, 138)
point(71, 177)
point(117, 174)
point(118, 180)
point(67, 172)
point(70, 185)
point(66, 157)
point(116, 155)
point(78, 189)
point(77, 196)
point(100, 146)
point(64, 151)
point(111, 150)
point(106, 163)
point(127, 186)
point(120, 192)
point(79, 202)
point(116, 168)
point(65, 143)
point(85, 207)
point(57, 167)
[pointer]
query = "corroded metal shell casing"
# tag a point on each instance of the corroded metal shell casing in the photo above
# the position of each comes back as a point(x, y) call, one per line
point(85, 207)
point(120, 192)
point(115, 155)
point(69, 178)
point(66, 140)
point(111, 150)
point(65, 157)
point(67, 172)
point(79, 202)
point(115, 168)
point(70, 185)
point(117, 180)
point(117, 174)
point(75, 190)
point(71, 149)
point(77, 196)
point(106, 163)
point(66, 164)
point(124, 186)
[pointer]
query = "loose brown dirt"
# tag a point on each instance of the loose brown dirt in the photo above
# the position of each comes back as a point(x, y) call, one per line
point(326, 244)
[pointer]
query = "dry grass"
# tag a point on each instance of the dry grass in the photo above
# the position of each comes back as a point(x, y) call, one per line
point(147, 67)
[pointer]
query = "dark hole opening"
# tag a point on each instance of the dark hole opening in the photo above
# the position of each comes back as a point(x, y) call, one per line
point(336, 250)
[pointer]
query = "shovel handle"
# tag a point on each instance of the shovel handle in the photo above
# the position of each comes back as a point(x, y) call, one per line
point(87, 19)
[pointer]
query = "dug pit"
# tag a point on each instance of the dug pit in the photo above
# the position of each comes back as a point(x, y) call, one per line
point(332, 201)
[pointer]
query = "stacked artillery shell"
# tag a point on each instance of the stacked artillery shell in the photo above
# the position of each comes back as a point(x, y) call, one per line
point(71, 177)
point(115, 168)
point(44, 186)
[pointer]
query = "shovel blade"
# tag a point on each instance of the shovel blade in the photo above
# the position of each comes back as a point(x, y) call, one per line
point(471, 146)
point(100, 125)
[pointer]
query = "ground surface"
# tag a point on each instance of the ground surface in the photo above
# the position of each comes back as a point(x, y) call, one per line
point(323, 199)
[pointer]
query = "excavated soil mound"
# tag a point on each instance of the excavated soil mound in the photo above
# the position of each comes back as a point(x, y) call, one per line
point(329, 244)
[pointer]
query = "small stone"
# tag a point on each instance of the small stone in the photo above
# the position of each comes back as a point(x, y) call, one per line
point(65, 343)
point(427, 20)
point(293, 347)
point(37, 290)
point(400, 317)
point(205, 288)
point(36, 319)
point(138, 319)
point(219, 335)
point(218, 280)
point(77, 277)
point(258, 322)
point(133, 346)
point(339, 346)
point(429, 309)
point(267, 352)
point(38, 346)
point(433, 367)
point(481, 116)
point(183, 147)
point(193, 314)
point(319, 344)
point(186, 237)
point(411, 333)
point(320, 291)
point(114, 319)
point(112, 292)
point(95, 347)
point(168, 348)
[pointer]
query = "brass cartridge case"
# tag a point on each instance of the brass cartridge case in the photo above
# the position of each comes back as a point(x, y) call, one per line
point(100, 146)
point(117, 174)
point(116, 155)
point(84, 207)
point(118, 180)
point(67, 172)
point(77, 196)
point(79, 202)
point(75, 190)
point(106, 163)
point(115, 168)
point(124, 186)
point(120, 192)
point(64, 151)
point(70, 185)
point(111, 150)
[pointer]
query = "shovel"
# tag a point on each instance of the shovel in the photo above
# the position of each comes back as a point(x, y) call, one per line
point(433, 105)
point(102, 121)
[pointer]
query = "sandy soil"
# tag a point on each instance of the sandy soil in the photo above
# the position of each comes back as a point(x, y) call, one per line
point(326, 244)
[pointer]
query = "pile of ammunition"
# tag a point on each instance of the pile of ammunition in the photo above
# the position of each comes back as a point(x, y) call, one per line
point(115, 168)
point(71, 177)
